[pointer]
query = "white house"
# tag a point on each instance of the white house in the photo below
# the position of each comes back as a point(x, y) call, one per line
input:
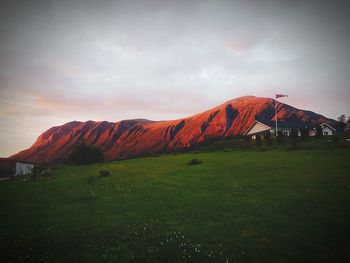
point(256, 128)
point(260, 128)
point(327, 130)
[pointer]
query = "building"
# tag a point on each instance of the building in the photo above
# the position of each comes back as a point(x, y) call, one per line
point(258, 128)
point(263, 128)
point(327, 130)
point(10, 167)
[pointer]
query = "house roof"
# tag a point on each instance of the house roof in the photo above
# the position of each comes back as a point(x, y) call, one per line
point(9, 160)
point(252, 125)
point(285, 124)
point(329, 126)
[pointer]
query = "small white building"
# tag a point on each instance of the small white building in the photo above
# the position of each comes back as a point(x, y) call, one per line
point(24, 168)
point(327, 130)
point(10, 167)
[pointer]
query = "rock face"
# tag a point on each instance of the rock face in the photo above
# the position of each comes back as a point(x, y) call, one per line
point(131, 138)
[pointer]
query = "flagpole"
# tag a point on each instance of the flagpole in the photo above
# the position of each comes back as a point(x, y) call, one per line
point(276, 117)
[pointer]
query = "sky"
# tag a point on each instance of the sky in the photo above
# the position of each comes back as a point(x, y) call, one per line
point(112, 60)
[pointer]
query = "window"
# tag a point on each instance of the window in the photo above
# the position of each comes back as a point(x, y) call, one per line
point(325, 133)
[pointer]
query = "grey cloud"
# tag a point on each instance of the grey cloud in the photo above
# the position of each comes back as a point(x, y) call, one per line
point(166, 59)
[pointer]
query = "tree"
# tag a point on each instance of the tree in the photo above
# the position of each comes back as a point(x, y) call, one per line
point(280, 137)
point(86, 154)
point(319, 132)
point(341, 121)
point(341, 118)
point(347, 128)
point(247, 140)
point(258, 140)
point(268, 139)
point(304, 133)
point(294, 138)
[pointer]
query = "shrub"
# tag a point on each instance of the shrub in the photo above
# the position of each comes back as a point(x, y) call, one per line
point(104, 173)
point(304, 133)
point(35, 172)
point(268, 139)
point(319, 133)
point(194, 162)
point(33, 176)
point(294, 138)
point(247, 142)
point(86, 154)
point(258, 140)
point(280, 137)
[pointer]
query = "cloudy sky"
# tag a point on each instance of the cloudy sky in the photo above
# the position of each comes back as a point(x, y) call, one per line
point(112, 60)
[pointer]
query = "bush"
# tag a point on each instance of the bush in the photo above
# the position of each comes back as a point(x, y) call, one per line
point(33, 176)
point(104, 173)
point(319, 133)
point(280, 137)
point(194, 162)
point(268, 139)
point(304, 133)
point(257, 140)
point(247, 142)
point(294, 138)
point(86, 154)
point(35, 172)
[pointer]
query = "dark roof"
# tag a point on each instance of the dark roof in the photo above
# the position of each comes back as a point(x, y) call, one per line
point(284, 124)
point(7, 160)
point(11, 160)
point(326, 124)
point(294, 124)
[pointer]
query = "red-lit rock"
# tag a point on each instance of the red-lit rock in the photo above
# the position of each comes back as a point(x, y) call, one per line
point(131, 138)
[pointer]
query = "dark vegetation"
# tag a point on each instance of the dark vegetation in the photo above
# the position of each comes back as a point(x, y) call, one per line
point(86, 154)
point(104, 173)
point(268, 139)
point(280, 142)
point(40, 170)
point(280, 137)
point(294, 138)
point(304, 134)
point(319, 133)
point(194, 162)
point(258, 140)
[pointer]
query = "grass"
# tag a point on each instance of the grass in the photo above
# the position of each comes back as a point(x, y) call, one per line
point(237, 206)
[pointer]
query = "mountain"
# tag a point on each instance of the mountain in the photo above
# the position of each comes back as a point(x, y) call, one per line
point(139, 137)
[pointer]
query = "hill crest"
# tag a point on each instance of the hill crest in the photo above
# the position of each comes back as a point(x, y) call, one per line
point(138, 137)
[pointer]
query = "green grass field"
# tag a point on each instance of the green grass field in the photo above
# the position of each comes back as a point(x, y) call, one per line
point(237, 206)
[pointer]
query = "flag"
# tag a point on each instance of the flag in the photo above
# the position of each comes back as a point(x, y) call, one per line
point(280, 96)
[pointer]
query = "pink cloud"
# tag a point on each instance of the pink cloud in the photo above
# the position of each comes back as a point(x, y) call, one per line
point(244, 42)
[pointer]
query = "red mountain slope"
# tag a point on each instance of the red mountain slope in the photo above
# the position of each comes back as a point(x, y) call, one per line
point(130, 138)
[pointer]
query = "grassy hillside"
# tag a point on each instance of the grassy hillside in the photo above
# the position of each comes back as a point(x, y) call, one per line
point(237, 206)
